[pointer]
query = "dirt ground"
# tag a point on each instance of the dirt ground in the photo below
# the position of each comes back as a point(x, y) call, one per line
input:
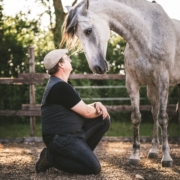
point(17, 161)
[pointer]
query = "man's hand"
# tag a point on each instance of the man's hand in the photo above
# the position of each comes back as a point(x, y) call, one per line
point(101, 109)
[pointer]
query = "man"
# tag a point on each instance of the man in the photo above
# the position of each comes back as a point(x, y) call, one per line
point(71, 129)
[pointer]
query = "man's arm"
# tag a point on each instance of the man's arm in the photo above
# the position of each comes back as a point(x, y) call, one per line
point(86, 111)
point(100, 108)
point(63, 94)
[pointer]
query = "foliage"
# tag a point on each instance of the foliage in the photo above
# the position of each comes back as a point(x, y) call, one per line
point(115, 54)
point(18, 33)
point(59, 15)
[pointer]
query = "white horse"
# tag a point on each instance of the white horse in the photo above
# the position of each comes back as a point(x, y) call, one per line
point(152, 55)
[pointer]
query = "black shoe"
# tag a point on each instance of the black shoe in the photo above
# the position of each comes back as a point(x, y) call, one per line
point(42, 164)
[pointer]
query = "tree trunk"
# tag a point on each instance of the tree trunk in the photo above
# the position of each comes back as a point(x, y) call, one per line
point(59, 18)
point(75, 1)
point(59, 15)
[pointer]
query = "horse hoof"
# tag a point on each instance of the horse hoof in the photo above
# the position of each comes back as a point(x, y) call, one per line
point(134, 162)
point(167, 163)
point(152, 155)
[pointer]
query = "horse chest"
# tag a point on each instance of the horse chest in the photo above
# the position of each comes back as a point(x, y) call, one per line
point(140, 69)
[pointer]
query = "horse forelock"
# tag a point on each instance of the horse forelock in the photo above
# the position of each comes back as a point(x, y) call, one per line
point(72, 21)
point(69, 26)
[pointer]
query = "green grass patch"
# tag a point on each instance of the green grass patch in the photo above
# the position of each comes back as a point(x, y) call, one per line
point(146, 129)
point(117, 128)
point(14, 130)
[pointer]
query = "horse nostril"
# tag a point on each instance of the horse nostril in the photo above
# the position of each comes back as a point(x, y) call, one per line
point(98, 70)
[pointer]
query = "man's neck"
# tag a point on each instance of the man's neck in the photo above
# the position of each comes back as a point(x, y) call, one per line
point(62, 76)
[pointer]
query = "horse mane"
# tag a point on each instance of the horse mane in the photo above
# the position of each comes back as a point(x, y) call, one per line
point(69, 28)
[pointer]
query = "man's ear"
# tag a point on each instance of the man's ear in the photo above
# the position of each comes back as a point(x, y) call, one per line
point(61, 65)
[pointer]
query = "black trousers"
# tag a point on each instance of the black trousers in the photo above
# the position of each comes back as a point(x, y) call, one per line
point(75, 155)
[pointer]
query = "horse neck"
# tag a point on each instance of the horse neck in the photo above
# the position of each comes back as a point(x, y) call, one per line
point(126, 18)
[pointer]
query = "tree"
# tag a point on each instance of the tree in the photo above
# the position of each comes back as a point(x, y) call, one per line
point(16, 35)
point(59, 18)
point(59, 13)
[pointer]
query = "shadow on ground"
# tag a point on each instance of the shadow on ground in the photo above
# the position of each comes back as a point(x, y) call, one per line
point(17, 161)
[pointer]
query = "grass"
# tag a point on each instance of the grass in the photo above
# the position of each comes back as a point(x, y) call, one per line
point(146, 129)
point(117, 128)
point(18, 130)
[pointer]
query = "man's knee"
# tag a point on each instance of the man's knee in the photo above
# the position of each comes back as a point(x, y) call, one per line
point(107, 123)
point(96, 168)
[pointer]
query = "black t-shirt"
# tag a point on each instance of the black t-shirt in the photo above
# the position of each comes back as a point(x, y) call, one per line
point(64, 94)
point(56, 114)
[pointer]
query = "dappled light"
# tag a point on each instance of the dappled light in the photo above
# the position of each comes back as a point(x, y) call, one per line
point(116, 158)
point(17, 161)
point(14, 159)
point(25, 40)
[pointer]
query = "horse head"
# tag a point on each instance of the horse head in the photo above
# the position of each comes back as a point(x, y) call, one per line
point(93, 33)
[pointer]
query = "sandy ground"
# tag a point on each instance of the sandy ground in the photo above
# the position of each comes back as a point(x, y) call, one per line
point(17, 161)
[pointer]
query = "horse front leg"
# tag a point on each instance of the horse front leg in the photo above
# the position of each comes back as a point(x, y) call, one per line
point(152, 94)
point(163, 121)
point(133, 90)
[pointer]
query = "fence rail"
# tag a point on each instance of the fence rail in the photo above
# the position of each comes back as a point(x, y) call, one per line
point(38, 78)
point(34, 110)
point(33, 78)
point(99, 87)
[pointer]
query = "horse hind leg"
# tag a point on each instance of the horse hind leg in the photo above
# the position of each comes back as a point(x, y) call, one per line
point(133, 90)
point(152, 94)
point(163, 121)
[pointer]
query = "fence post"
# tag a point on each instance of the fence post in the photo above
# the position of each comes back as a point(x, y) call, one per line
point(32, 91)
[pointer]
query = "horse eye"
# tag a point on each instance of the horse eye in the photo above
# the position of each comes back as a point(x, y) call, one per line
point(88, 31)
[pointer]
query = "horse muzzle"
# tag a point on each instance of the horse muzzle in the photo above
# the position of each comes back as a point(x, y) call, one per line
point(101, 68)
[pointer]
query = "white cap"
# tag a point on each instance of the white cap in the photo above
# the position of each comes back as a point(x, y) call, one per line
point(53, 57)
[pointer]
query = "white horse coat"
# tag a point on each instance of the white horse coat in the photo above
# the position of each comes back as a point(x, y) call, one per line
point(152, 55)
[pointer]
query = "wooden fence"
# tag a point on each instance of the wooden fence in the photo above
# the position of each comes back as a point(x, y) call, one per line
point(32, 110)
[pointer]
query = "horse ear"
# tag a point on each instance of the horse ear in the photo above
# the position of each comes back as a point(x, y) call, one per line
point(85, 7)
point(68, 8)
